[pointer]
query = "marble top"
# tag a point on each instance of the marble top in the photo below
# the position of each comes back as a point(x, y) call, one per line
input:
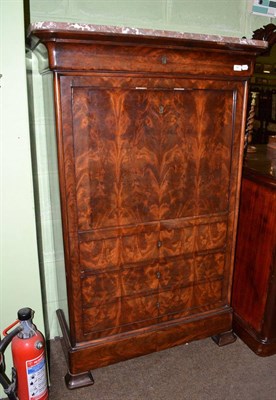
point(119, 30)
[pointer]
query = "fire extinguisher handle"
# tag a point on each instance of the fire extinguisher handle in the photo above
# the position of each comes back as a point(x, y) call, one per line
point(6, 330)
point(8, 338)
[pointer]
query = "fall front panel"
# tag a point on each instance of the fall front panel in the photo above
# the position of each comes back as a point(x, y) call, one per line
point(145, 155)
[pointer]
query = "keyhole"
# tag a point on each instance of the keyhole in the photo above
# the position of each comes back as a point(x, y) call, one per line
point(164, 60)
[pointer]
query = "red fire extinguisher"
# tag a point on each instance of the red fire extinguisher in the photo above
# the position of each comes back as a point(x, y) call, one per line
point(29, 359)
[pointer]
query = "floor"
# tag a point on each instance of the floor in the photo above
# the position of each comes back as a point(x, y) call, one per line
point(198, 371)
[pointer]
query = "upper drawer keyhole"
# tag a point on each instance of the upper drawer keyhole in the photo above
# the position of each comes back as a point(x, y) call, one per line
point(164, 60)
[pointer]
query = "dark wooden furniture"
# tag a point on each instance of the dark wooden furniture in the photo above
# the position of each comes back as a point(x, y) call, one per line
point(150, 136)
point(264, 85)
point(267, 33)
point(254, 288)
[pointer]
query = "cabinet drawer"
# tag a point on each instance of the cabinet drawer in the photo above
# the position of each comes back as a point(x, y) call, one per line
point(123, 315)
point(185, 301)
point(194, 238)
point(103, 288)
point(90, 57)
point(106, 287)
point(110, 253)
point(183, 272)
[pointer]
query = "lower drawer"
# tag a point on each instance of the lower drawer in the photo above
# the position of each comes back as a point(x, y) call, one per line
point(124, 314)
point(135, 312)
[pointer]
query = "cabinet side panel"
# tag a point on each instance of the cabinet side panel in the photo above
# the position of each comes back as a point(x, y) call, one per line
point(256, 238)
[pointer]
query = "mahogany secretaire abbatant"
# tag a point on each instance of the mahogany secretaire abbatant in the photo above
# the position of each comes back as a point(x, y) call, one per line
point(150, 131)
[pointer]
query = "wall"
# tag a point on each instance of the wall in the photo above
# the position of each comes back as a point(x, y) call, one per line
point(19, 270)
point(45, 172)
point(229, 18)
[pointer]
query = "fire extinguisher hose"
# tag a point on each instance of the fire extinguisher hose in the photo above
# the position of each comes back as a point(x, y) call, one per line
point(8, 386)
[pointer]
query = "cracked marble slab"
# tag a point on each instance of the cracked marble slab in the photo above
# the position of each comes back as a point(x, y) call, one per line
point(120, 30)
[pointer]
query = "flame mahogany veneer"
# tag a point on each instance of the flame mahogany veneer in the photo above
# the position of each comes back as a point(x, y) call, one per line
point(150, 140)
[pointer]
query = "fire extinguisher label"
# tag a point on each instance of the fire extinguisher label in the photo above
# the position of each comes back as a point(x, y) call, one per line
point(37, 378)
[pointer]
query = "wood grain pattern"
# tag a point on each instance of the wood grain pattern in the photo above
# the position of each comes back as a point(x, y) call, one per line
point(138, 167)
point(140, 160)
point(185, 271)
point(111, 253)
point(123, 315)
point(147, 59)
point(254, 289)
point(192, 239)
point(152, 180)
point(147, 341)
point(106, 287)
point(177, 287)
point(183, 301)
point(257, 225)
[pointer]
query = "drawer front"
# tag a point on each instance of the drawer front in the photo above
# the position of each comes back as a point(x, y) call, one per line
point(192, 239)
point(104, 288)
point(134, 297)
point(124, 314)
point(89, 57)
point(194, 299)
point(111, 253)
point(183, 272)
